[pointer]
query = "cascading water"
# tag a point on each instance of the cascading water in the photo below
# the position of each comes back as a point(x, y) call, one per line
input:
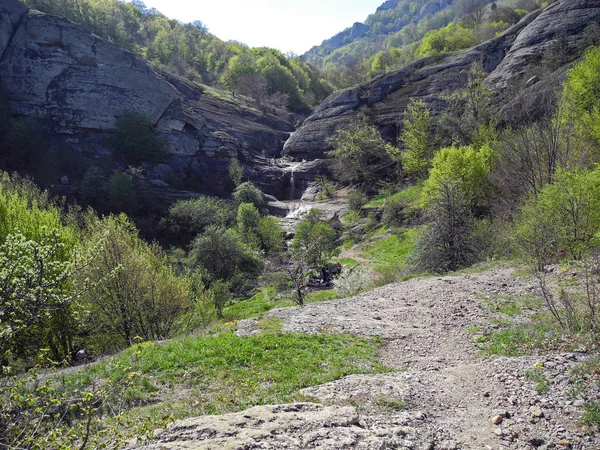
point(292, 185)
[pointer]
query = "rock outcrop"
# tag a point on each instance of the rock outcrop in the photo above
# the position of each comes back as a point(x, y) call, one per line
point(75, 85)
point(509, 60)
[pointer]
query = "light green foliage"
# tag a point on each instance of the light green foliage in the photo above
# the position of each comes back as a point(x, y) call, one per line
point(448, 39)
point(564, 216)
point(189, 50)
point(229, 373)
point(467, 168)
point(219, 290)
point(358, 153)
point(539, 378)
point(135, 139)
point(248, 218)
point(37, 411)
point(25, 208)
point(270, 235)
point(142, 296)
point(580, 99)
point(236, 172)
point(189, 218)
point(248, 193)
point(418, 151)
point(314, 243)
point(36, 296)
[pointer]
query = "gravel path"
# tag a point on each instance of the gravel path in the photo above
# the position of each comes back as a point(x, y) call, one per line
point(442, 396)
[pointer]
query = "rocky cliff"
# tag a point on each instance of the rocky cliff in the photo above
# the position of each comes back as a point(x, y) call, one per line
point(510, 60)
point(74, 85)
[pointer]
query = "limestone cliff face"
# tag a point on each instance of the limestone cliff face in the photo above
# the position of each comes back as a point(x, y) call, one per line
point(509, 60)
point(76, 84)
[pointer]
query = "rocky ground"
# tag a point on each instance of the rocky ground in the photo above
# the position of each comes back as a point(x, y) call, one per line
point(442, 395)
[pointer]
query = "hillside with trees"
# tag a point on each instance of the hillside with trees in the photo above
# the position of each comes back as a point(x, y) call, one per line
point(401, 31)
point(191, 51)
point(460, 265)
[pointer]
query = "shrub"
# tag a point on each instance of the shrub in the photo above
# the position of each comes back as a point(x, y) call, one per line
point(236, 172)
point(314, 243)
point(142, 295)
point(355, 281)
point(465, 167)
point(94, 190)
point(222, 254)
point(356, 200)
point(358, 153)
point(248, 193)
point(393, 212)
point(448, 243)
point(189, 218)
point(122, 193)
point(135, 139)
point(270, 235)
point(418, 151)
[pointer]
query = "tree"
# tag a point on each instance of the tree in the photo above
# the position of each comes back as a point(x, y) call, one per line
point(464, 167)
point(248, 193)
point(248, 219)
point(222, 254)
point(135, 139)
point(448, 243)
point(37, 299)
point(122, 194)
point(189, 218)
point(314, 243)
point(142, 295)
point(417, 153)
point(359, 153)
point(236, 172)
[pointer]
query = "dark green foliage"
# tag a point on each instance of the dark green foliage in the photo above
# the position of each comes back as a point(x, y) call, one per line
point(189, 218)
point(222, 255)
point(359, 154)
point(248, 193)
point(135, 140)
point(448, 243)
point(122, 193)
point(356, 200)
point(20, 149)
point(94, 186)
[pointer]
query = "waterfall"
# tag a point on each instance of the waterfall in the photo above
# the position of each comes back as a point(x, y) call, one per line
point(292, 185)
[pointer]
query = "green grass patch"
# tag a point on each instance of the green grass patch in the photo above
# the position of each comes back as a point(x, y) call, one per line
point(393, 249)
point(391, 404)
point(591, 416)
point(265, 300)
point(409, 195)
point(227, 373)
point(537, 376)
point(512, 305)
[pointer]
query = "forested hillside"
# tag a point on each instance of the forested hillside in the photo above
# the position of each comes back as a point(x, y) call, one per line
point(401, 31)
point(191, 51)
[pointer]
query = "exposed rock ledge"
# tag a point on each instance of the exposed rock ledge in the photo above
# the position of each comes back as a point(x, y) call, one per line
point(510, 59)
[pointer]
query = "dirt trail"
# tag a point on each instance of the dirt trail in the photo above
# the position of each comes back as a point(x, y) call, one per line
point(443, 396)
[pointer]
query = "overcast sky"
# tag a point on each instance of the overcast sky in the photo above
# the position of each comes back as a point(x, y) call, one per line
point(288, 25)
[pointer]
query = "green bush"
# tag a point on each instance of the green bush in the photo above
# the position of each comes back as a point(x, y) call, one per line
point(248, 193)
point(418, 150)
point(356, 200)
point(189, 218)
point(122, 193)
point(467, 168)
point(142, 296)
point(135, 139)
point(222, 254)
point(314, 243)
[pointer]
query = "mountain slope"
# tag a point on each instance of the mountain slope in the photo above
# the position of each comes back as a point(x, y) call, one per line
point(74, 85)
point(508, 61)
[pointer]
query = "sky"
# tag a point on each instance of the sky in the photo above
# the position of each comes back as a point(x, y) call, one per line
point(287, 25)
